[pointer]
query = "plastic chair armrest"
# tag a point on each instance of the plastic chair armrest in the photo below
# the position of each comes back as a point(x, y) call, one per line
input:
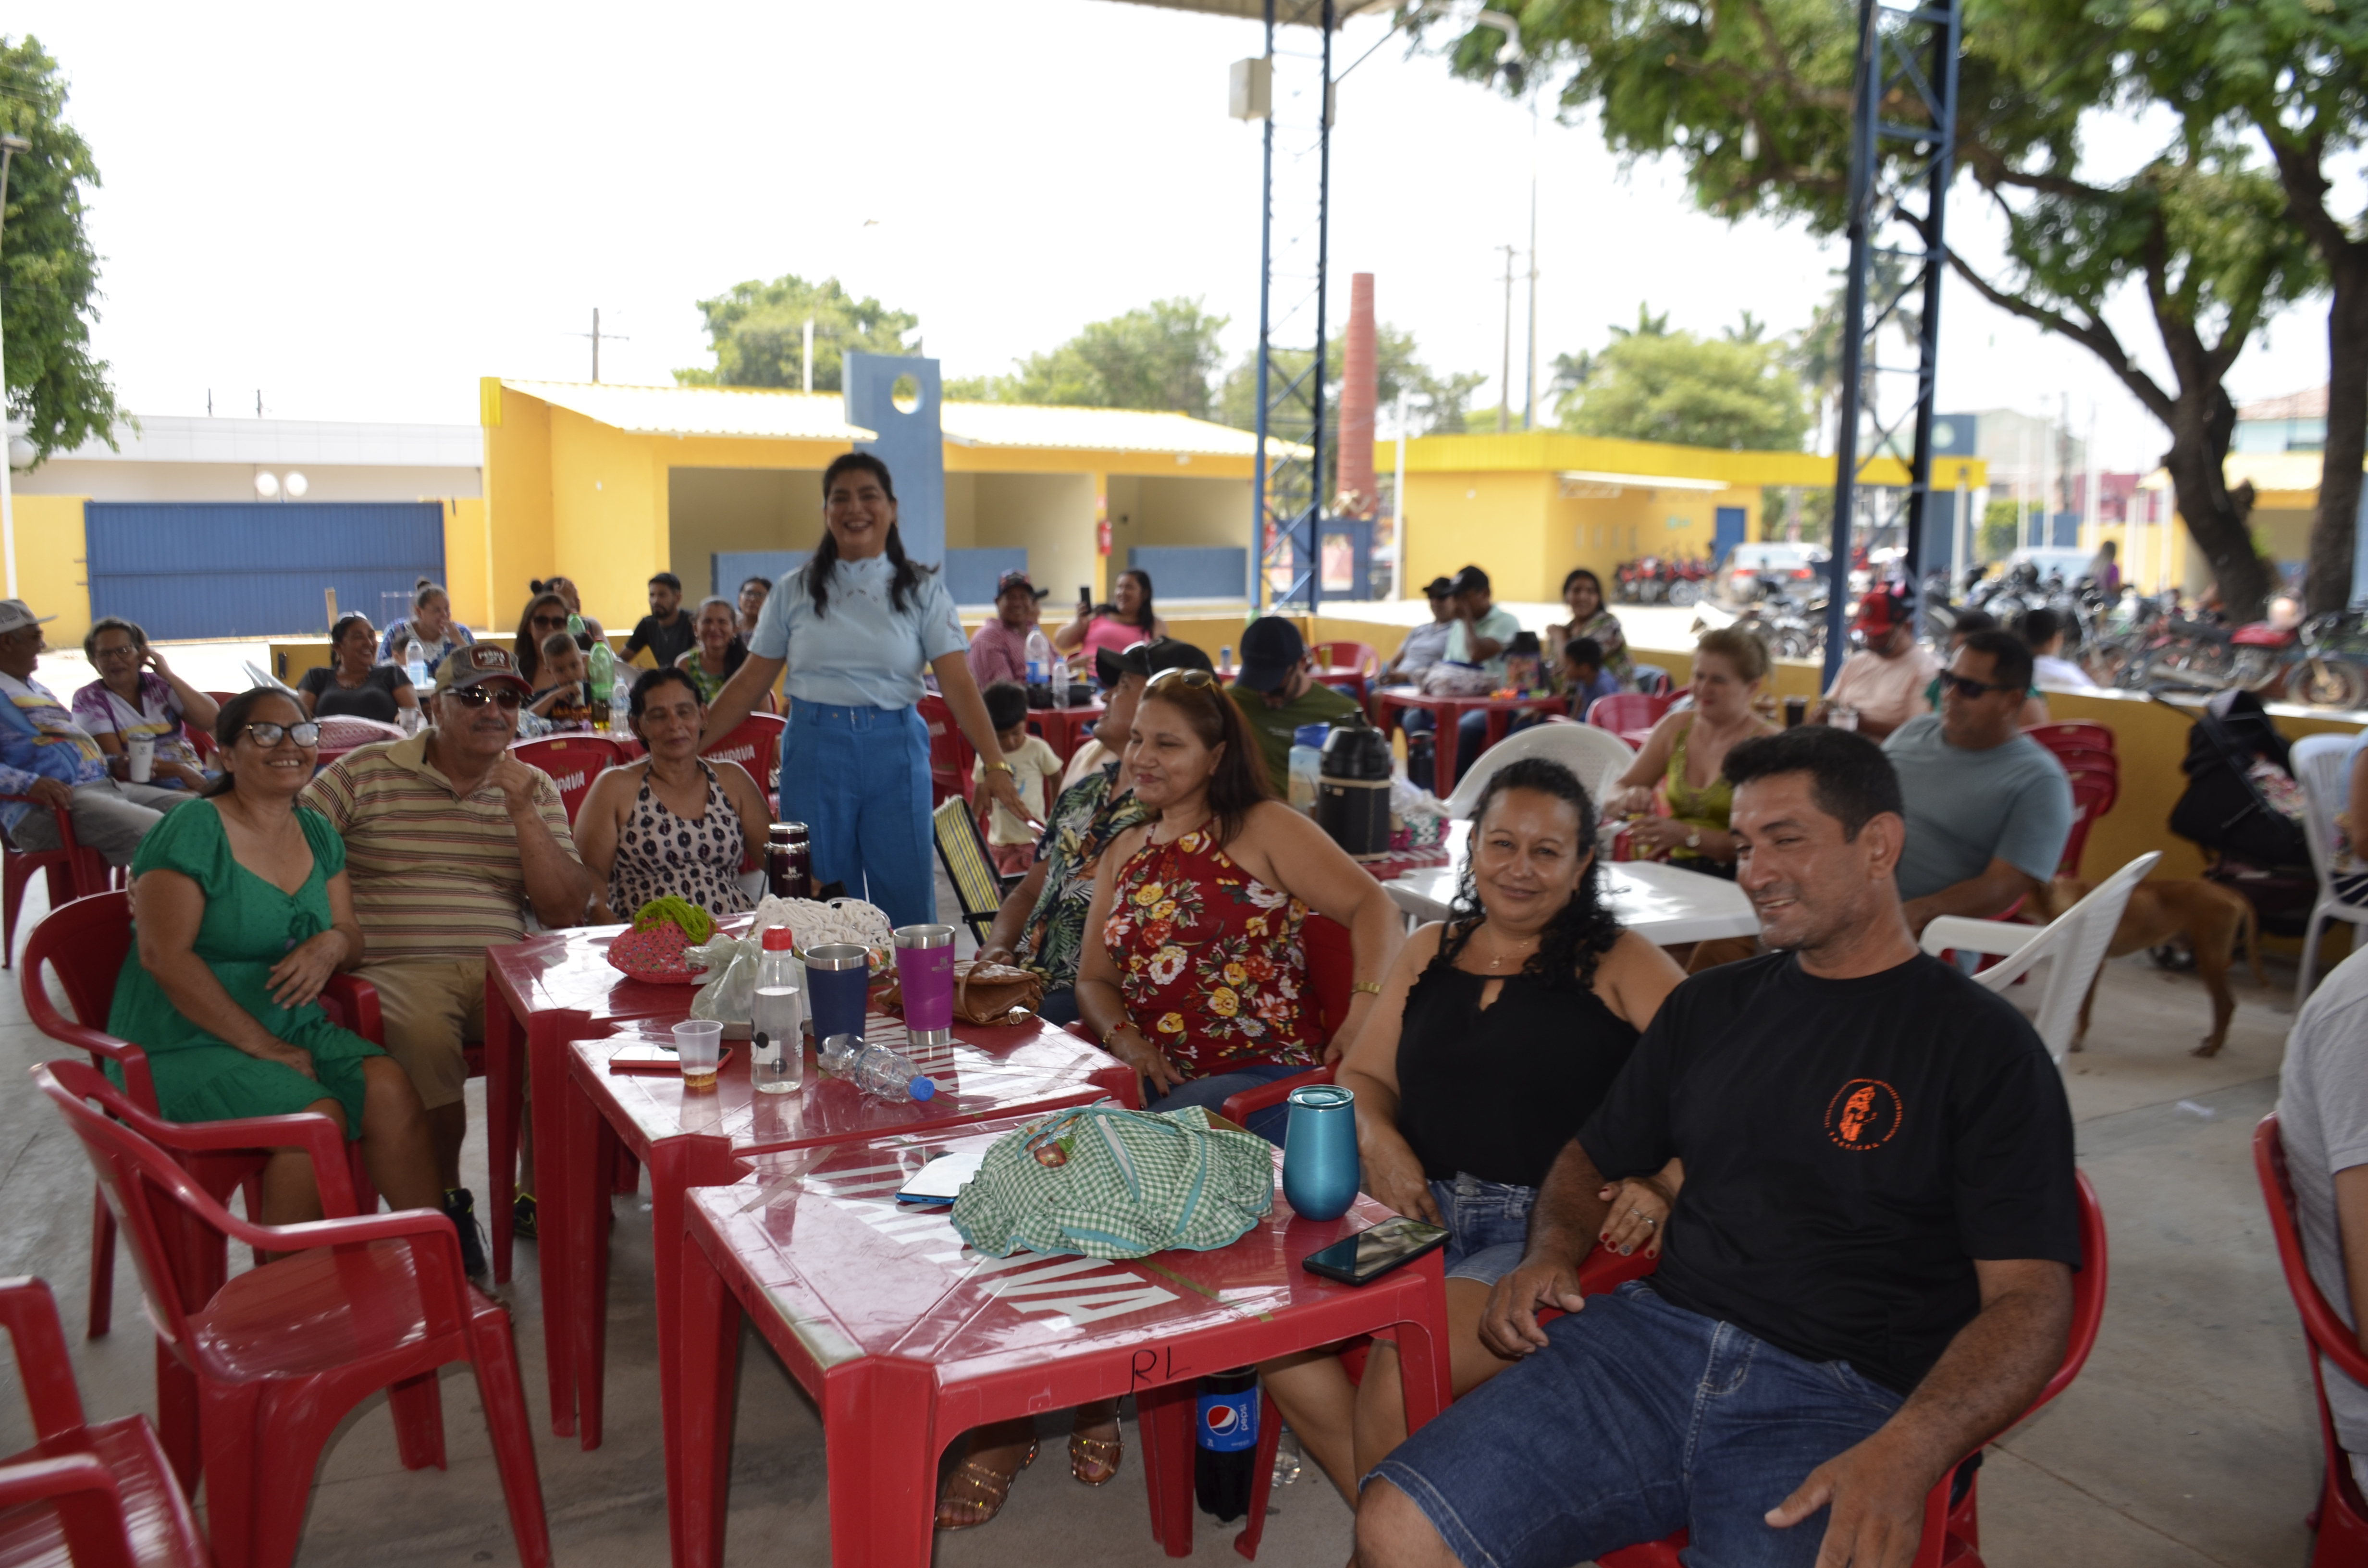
point(89, 1504)
point(1237, 1107)
point(2000, 937)
point(313, 1133)
point(359, 999)
point(59, 814)
point(30, 1314)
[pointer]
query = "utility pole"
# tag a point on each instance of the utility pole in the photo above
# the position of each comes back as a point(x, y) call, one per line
point(10, 145)
point(595, 335)
point(1530, 413)
point(805, 360)
point(1504, 366)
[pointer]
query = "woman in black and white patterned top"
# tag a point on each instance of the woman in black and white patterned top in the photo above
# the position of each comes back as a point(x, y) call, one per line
point(673, 822)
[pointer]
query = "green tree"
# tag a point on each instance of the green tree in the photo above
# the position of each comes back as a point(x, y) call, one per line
point(2002, 532)
point(1753, 100)
point(1673, 386)
point(759, 333)
point(1162, 355)
point(49, 292)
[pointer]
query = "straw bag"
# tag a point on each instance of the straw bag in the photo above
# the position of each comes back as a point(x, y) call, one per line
point(983, 993)
point(1110, 1183)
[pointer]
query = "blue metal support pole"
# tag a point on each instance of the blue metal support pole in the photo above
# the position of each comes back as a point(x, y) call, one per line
point(1866, 105)
point(1316, 499)
point(1257, 586)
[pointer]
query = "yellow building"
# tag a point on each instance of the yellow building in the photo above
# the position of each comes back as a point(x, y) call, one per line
point(1529, 508)
point(611, 483)
point(2157, 551)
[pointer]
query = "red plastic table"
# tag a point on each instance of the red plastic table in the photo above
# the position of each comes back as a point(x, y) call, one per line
point(905, 1337)
point(1064, 728)
point(1447, 712)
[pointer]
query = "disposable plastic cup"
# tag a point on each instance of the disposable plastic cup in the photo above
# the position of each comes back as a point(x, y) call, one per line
point(925, 974)
point(837, 976)
point(698, 1044)
point(141, 750)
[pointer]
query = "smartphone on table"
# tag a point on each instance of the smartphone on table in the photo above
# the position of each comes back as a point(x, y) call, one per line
point(1364, 1257)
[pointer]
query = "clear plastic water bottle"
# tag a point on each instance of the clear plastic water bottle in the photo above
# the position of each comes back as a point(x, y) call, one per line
point(620, 708)
point(414, 663)
point(1059, 683)
point(874, 1069)
point(777, 1056)
point(1040, 656)
point(1225, 660)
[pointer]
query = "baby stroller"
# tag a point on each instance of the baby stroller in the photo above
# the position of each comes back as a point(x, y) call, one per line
point(2258, 849)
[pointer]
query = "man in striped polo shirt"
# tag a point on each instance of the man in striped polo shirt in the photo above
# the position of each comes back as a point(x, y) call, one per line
point(449, 839)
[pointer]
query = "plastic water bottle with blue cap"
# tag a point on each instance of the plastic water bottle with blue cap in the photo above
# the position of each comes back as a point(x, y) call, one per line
point(874, 1069)
point(414, 663)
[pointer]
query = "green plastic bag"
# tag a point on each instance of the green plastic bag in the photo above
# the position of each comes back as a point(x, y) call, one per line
point(1110, 1183)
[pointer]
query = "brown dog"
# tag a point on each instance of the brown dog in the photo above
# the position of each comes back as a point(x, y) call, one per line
point(2210, 916)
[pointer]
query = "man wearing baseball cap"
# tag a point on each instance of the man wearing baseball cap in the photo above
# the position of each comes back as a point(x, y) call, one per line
point(450, 839)
point(45, 754)
point(1884, 680)
point(998, 651)
point(1276, 694)
point(1425, 645)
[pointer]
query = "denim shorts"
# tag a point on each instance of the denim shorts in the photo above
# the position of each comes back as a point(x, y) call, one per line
point(1487, 1222)
point(1638, 1419)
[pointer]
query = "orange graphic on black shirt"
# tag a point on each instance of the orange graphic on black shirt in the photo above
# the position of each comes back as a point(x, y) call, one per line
point(1864, 1115)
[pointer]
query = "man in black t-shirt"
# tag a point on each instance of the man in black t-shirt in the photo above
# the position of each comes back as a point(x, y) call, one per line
point(665, 632)
point(1868, 1272)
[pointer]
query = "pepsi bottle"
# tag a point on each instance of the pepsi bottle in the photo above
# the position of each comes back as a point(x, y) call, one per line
point(1226, 1438)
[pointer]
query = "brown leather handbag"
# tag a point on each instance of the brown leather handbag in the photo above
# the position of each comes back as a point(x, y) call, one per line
point(985, 994)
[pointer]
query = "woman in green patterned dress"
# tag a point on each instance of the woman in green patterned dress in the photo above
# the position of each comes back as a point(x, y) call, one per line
point(242, 914)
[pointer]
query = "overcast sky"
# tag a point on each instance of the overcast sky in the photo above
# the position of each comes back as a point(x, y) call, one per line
point(362, 210)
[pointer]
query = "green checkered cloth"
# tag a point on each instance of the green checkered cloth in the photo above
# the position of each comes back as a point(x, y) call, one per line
point(1110, 1183)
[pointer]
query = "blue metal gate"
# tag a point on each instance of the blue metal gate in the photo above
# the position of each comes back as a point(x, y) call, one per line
point(254, 568)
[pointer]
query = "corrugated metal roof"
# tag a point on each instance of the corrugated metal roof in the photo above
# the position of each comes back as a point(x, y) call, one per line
point(1092, 429)
point(2308, 403)
point(174, 439)
point(703, 411)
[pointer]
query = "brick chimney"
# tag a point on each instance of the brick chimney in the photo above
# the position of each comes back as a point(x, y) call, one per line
point(1359, 391)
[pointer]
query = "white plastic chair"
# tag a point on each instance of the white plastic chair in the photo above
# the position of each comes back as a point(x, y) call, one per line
point(1597, 756)
point(2322, 765)
point(2076, 940)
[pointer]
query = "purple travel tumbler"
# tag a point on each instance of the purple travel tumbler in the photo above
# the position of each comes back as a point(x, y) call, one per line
point(925, 974)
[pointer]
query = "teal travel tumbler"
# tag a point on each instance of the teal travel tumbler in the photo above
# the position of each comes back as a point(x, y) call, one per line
point(1319, 1151)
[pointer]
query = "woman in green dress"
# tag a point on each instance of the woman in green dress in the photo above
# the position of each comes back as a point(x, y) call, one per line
point(242, 914)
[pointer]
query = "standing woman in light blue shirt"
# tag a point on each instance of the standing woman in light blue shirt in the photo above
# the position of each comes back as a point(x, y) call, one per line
point(856, 627)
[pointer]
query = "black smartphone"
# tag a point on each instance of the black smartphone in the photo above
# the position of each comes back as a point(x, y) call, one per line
point(1085, 597)
point(1364, 1257)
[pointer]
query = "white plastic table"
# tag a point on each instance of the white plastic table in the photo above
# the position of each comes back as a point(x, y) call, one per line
point(1665, 904)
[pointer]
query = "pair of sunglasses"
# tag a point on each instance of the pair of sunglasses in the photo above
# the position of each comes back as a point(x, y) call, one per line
point(1969, 689)
point(1197, 679)
point(559, 622)
point(306, 734)
point(477, 696)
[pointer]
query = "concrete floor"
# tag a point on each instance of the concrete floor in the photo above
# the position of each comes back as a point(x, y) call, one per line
point(2188, 1439)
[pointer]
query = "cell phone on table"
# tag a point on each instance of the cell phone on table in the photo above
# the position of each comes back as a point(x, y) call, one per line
point(1364, 1257)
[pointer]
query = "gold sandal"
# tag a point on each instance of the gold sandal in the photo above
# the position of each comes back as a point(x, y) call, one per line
point(988, 1490)
point(1107, 1452)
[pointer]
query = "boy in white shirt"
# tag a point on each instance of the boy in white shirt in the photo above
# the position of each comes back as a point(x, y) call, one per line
point(1011, 838)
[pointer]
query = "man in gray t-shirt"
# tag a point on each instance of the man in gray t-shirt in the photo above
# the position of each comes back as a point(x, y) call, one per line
point(2323, 1118)
point(1988, 809)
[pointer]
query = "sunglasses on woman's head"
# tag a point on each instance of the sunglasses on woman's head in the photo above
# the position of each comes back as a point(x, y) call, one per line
point(477, 696)
point(1196, 679)
point(306, 734)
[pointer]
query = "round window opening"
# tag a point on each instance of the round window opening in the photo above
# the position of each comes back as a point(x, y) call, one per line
point(905, 394)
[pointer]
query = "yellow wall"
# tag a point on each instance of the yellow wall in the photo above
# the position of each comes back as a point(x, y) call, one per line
point(49, 572)
point(465, 561)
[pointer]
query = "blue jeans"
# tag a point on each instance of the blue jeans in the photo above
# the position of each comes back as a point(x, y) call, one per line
point(1488, 1223)
point(858, 779)
point(1640, 1419)
point(1059, 1006)
point(1213, 1092)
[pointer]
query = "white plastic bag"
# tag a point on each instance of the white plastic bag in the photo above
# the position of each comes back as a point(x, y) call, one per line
point(729, 991)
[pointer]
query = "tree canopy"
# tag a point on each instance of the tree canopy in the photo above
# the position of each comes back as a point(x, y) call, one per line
point(49, 274)
point(1160, 356)
point(759, 333)
point(1736, 392)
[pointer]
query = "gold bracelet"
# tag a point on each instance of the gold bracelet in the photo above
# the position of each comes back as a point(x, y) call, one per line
point(1109, 1033)
point(1001, 764)
point(1370, 987)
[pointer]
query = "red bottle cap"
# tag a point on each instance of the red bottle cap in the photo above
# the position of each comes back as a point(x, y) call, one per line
point(778, 940)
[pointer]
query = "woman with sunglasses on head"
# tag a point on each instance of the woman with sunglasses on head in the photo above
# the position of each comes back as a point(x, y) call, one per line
point(673, 823)
point(352, 685)
point(1200, 980)
point(245, 913)
point(1496, 1033)
point(857, 627)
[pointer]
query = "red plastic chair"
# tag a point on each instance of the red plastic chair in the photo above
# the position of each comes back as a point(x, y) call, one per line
point(2074, 734)
point(1952, 1532)
point(97, 1496)
point(282, 1352)
point(2341, 1516)
point(1630, 712)
point(572, 761)
point(74, 872)
point(756, 744)
point(951, 756)
point(2093, 795)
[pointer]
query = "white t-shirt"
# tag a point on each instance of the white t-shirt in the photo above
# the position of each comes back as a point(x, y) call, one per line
point(1886, 692)
point(1032, 765)
point(2323, 1119)
point(2060, 674)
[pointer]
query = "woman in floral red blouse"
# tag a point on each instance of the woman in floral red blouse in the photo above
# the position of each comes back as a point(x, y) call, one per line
point(1200, 981)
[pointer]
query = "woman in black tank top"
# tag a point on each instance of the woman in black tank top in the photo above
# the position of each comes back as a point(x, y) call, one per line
point(1496, 1035)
